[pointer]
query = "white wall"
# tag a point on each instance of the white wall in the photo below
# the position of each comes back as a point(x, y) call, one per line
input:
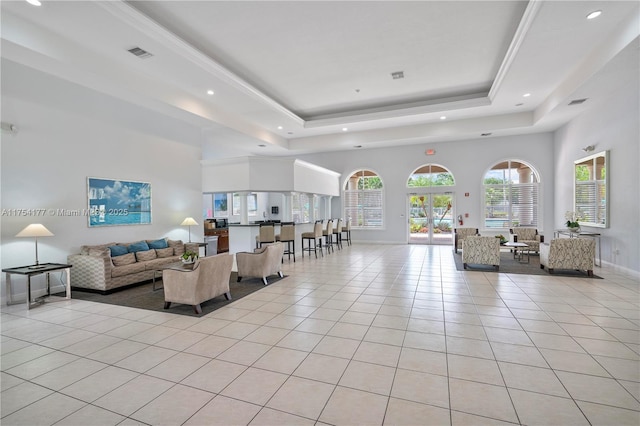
point(611, 125)
point(467, 160)
point(46, 165)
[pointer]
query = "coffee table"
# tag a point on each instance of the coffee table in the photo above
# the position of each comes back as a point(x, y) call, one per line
point(519, 255)
point(172, 265)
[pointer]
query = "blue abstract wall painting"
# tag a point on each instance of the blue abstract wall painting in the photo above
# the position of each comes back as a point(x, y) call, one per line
point(118, 202)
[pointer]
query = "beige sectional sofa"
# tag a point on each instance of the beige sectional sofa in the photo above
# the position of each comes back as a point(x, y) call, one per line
point(107, 267)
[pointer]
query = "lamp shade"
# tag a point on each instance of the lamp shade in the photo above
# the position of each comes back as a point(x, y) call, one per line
point(35, 230)
point(189, 222)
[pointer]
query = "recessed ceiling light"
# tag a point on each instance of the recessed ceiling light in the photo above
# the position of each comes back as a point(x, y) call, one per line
point(344, 129)
point(520, 104)
point(279, 127)
point(210, 92)
point(262, 145)
point(34, 2)
point(289, 133)
point(485, 134)
point(592, 15)
point(526, 95)
point(444, 117)
point(357, 146)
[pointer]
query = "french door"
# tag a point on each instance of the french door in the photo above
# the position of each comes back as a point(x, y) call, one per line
point(430, 218)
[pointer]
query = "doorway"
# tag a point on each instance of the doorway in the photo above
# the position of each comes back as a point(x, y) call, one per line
point(430, 218)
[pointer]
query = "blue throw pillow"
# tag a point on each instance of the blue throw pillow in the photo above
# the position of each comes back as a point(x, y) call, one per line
point(141, 246)
point(118, 250)
point(158, 244)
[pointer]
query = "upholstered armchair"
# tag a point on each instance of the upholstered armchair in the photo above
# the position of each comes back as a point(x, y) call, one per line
point(568, 253)
point(459, 234)
point(481, 251)
point(209, 278)
point(263, 262)
point(529, 236)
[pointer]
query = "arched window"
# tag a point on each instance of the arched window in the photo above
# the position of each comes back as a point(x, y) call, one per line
point(363, 200)
point(511, 195)
point(431, 175)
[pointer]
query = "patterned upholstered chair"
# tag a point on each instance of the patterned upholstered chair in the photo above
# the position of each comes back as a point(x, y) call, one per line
point(529, 236)
point(479, 250)
point(568, 253)
point(209, 278)
point(460, 234)
point(262, 262)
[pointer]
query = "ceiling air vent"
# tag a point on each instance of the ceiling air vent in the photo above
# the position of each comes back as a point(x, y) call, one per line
point(577, 101)
point(397, 75)
point(140, 53)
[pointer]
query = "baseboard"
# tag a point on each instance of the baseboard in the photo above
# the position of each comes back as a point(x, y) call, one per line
point(621, 269)
point(22, 296)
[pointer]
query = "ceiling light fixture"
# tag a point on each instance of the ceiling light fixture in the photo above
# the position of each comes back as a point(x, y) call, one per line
point(357, 146)
point(526, 95)
point(344, 129)
point(519, 104)
point(485, 134)
point(34, 2)
point(444, 117)
point(280, 127)
point(262, 145)
point(592, 15)
point(210, 92)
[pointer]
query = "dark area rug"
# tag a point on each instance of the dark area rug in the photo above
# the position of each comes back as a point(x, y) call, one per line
point(142, 296)
point(509, 265)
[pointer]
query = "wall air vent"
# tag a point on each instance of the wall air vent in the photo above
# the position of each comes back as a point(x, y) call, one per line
point(577, 101)
point(140, 53)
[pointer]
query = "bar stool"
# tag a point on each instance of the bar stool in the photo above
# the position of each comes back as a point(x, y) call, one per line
point(337, 232)
point(288, 235)
point(346, 231)
point(328, 235)
point(316, 236)
point(267, 234)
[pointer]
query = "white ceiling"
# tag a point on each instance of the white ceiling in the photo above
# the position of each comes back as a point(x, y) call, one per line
point(316, 67)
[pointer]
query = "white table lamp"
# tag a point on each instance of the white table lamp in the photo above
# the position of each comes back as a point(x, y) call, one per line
point(35, 230)
point(189, 222)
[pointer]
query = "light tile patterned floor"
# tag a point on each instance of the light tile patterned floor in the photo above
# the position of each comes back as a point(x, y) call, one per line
point(367, 335)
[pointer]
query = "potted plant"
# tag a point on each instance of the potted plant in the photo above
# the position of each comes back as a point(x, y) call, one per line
point(189, 257)
point(502, 238)
point(573, 219)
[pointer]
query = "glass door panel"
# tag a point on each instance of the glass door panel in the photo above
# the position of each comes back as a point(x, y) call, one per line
point(430, 219)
